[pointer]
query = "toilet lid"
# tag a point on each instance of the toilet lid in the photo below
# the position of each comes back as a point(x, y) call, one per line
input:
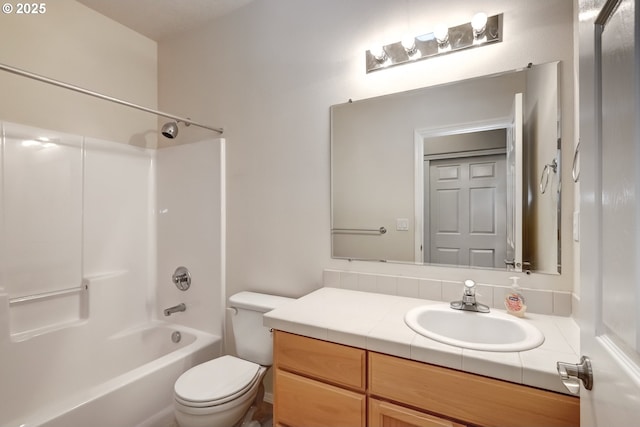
point(216, 381)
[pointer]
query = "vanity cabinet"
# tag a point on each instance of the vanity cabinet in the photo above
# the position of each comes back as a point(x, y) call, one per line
point(467, 398)
point(317, 383)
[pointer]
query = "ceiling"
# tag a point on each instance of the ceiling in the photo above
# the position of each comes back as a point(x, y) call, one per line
point(160, 19)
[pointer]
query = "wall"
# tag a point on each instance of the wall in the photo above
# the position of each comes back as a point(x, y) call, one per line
point(78, 46)
point(190, 217)
point(270, 71)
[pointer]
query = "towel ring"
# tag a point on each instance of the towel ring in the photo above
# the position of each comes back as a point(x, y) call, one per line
point(544, 178)
point(575, 169)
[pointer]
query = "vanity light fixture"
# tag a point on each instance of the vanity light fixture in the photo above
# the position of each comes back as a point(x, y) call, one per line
point(482, 30)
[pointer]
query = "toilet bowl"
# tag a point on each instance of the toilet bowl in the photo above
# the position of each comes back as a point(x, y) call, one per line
point(219, 393)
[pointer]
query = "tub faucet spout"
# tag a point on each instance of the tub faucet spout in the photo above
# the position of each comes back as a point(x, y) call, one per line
point(180, 307)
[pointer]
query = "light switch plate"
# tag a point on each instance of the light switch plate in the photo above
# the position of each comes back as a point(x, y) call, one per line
point(402, 224)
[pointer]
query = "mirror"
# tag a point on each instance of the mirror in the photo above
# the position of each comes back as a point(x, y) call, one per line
point(463, 174)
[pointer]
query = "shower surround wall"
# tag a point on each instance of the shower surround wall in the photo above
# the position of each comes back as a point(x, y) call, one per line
point(190, 199)
point(89, 226)
point(78, 264)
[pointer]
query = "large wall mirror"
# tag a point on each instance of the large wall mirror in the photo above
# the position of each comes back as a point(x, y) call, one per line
point(464, 174)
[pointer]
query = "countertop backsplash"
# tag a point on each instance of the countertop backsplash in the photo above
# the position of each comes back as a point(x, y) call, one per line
point(557, 303)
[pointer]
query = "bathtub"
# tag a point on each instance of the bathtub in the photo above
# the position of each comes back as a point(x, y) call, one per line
point(123, 381)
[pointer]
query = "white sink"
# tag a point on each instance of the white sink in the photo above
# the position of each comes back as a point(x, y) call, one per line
point(494, 331)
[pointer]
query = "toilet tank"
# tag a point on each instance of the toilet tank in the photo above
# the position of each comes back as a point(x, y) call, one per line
point(254, 341)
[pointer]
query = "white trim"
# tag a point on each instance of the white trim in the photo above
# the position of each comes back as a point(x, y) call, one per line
point(223, 242)
point(462, 154)
point(469, 127)
point(418, 197)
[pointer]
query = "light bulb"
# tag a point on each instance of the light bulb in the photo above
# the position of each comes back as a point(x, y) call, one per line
point(479, 23)
point(378, 53)
point(409, 44)
point(441, 33)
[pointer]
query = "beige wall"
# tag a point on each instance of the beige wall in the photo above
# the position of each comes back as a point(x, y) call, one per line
point(270, 71)
point(76, 45)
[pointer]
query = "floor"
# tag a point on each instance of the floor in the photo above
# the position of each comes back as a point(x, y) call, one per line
point(166, 418)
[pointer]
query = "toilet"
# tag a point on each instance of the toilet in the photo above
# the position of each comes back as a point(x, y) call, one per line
point(219, 393)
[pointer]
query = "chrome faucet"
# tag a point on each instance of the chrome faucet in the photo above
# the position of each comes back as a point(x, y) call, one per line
point(176, 308)
point(468, 302)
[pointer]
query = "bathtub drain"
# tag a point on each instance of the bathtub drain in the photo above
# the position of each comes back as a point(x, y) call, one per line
point(176, 336)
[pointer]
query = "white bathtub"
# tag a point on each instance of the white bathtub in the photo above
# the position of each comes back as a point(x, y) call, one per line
point(124, 381)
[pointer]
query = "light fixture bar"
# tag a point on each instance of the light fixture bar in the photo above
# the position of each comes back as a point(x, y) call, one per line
point(426, 46)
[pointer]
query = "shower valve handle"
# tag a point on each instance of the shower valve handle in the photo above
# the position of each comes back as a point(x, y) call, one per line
point(182, 278)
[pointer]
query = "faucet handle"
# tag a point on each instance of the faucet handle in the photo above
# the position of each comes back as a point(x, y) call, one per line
point(469, 287)
point(182, 278)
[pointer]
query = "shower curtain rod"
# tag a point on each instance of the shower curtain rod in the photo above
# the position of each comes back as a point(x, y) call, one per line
point(58, 83)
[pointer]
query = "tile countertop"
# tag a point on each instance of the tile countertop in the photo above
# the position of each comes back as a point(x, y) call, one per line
point(376, 322)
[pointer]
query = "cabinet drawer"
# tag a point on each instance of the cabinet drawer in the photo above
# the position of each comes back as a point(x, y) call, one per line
point(334, 363)
point(385, 414)
point(303, 402)
point(467, 397)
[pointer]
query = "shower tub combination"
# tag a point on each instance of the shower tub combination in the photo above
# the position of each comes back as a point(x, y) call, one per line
point(83, 340)
point(125, 381)
point(68, 359)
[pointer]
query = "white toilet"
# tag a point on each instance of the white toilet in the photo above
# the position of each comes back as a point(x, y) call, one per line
point(218, 393)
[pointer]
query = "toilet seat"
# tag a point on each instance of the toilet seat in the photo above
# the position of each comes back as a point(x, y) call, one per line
point(216, 382)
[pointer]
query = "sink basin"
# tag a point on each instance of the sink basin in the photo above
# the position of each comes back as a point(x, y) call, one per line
point(494, 331)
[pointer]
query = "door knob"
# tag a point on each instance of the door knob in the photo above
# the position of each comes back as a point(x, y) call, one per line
point(571, 374)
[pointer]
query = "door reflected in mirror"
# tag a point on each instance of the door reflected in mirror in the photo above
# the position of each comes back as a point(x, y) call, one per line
point(451, 173)
point(465, 199)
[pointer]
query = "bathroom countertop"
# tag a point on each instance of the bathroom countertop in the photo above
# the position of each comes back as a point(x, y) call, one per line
point(376, 322)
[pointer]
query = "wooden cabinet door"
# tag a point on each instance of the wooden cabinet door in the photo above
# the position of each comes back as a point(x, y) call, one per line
point(332, 363)
point(467, 397)
point(303, 402)
point(385, 414)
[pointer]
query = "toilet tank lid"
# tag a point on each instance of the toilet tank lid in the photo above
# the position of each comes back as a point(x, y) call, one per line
point(257, 301)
